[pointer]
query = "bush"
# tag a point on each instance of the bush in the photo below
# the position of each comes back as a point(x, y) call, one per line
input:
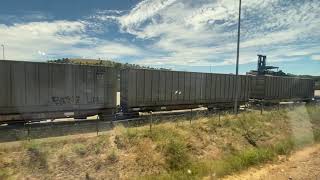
point(284, 148)
point(316, 134)
point(100, 144)
point(4, 173)
point(113, 156)
point(123, 137)
point(176, 155)
point(80, 149)
point(36, 156)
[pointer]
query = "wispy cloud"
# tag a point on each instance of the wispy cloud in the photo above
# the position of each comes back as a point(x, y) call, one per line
point(143, 11)
point(185, 32)
point(46, 40)
point(175, 32)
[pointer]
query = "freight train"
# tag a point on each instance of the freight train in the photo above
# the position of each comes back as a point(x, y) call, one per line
point(36, 91)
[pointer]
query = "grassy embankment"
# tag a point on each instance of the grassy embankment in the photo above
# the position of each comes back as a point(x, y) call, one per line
point(173, 150)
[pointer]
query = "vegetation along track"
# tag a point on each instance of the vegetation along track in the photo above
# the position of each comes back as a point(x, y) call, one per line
point(61, 128)
point(206, 148)
point(36, 130)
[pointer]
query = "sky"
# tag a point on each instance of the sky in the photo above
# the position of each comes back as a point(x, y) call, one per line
point(187, 35)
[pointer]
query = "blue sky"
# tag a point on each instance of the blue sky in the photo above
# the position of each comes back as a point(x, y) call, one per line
point(192, 35)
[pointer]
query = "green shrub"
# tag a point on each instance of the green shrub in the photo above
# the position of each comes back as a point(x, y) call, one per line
point(36, 155)
point(316, 134)
point(161, 133)
point(113, 156)
point(124, 136)
point(80, 149)
point(176, 155)
point(4, 173)
point(284, 147)
point(100, 144)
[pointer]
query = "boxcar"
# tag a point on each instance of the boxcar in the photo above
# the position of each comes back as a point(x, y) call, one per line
point(34, 90)
point(282, 88)
point(167, 90)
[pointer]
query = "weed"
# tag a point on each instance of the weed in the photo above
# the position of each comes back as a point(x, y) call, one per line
point(4, 173)
point(284, 147)
point(80, 149)
point(165, 152)
point(124, 136)
point(66, 160)
point(101, 142)
point(162, 133)
point(316, 135)
point(36, 155)
point(176, 155)
point(213, 124)
point(113, 156)
point(147, 157)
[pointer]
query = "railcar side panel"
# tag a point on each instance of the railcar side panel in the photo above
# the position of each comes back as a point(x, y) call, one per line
point(47, 88)
point(281, 88)
point(157, 89)
point(5, 79)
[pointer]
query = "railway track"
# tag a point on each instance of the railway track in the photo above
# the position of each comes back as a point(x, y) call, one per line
point(38, 130)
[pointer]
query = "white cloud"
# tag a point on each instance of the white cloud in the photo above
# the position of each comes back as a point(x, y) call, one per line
point(143, 11)
point(187, 33)
point(49, 40)
point(177, 32)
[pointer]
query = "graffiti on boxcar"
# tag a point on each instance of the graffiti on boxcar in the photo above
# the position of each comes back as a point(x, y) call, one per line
point(65, 100)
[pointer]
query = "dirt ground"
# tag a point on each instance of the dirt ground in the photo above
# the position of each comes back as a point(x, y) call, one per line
point(303, 164)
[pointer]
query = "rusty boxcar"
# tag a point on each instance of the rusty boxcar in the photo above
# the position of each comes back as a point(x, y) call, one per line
point(281, 88)
point(143, 90)
point(34, 90)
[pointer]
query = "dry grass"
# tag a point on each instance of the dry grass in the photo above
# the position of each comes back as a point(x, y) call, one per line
point(207, 147)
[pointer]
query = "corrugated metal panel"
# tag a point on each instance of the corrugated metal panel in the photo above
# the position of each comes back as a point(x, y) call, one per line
point(162, 86)
point(168, 89)
point(193, 92)
point(213, 85)
point(241, 85)
point(281, 88)
point(32, 87)
point(5, 81)
point(132, 83)
point(44, 83)
point(224, 87)
point(175, 86)
point(18, 93)
point(140, 83)
point(43, 87)
point(203, 87)
point(187, 87)
point(81, 83)
point(218, 88)
point(181, 85)
point(207, 87)
point(147, 86)
point(183, 88)
point(232, 82)
point(198, 87)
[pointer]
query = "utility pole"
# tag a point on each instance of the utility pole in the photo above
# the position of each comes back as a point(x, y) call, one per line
point(3, 57)
point(237, 64)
